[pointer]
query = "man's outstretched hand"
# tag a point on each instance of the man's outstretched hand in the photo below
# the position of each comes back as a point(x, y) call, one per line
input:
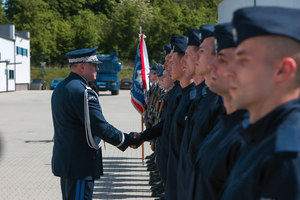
point(136, 140)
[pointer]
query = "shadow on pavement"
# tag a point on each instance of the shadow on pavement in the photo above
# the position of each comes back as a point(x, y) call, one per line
point(122, 179)
point(38, 141)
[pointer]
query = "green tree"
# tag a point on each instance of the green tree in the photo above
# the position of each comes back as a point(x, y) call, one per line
point(59, 26)
point(66, 8)
point(105, 7)
point(34, 16)
point(3, 18)
point(64, 39)
point(172, 19)
point(125, 23)
point(87, 28)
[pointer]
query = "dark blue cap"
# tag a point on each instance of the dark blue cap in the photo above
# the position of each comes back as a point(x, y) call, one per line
point(180, 44)
point(153, 67)
point(83, 56)
point(223, 36)
point(160, 69)
point(160, 72)
point(172, 40)
point(266, 20)
point(167, 48)
point(206, 30)
point(194, 37)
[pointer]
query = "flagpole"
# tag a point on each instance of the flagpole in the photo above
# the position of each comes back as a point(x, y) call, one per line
point(142, 123)
point(143, 150)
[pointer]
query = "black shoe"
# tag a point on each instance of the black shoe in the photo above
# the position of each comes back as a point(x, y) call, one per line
point(159, 190)
point(157, 194)
point(159, 185)
point(154, 176)
point(149, 156)
point(150, 161)
point(154, 173)
point(154, 183)
point(151, 168)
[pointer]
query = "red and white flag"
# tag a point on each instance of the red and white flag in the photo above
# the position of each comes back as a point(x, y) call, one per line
point(140, 76)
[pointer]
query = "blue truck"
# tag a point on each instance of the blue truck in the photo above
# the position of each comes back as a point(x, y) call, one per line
point(108, 74)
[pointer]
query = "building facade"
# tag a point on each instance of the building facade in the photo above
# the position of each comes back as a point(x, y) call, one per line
point(14, 59)
point(227, 7)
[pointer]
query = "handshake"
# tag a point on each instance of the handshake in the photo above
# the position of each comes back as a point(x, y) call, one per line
point(136, 140)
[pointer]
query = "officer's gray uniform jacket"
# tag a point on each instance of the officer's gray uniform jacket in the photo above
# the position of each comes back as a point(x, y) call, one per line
point(72, 156)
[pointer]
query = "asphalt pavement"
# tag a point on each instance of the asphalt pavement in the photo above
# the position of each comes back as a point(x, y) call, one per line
point(26, 132)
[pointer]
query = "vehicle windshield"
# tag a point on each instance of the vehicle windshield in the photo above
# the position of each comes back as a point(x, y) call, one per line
point(37, 81)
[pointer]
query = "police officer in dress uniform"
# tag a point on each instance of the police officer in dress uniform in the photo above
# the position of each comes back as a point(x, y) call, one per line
point(220, 149)
point(189, 62)
point(264, 79)
point(161, 130)
point(177, 126)
point(79, 126)
point(202, 115)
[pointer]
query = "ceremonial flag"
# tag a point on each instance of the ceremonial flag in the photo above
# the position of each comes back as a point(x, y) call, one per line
point(140, 78)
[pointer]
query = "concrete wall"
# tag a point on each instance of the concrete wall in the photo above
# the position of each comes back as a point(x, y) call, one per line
point(14, 76)
point(7, 52)
point(227, 7)
point(22, 70)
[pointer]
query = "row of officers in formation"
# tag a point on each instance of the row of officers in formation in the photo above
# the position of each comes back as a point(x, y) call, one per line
point(224, 113)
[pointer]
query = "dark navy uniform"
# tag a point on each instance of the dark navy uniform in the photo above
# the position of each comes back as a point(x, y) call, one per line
point(161, 130)
point(201, 119)
point(269, 165)
point(217, 156)
point(176, 133)
point(79, 126)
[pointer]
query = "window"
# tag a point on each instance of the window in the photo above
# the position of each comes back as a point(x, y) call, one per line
point(19, 51)
point(22, 51)
point(11, 74)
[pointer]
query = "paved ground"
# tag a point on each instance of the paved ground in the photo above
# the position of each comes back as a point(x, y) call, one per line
point(26, 147)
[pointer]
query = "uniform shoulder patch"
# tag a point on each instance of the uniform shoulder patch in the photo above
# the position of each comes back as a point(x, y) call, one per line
point(193, 94)
point(287, 139)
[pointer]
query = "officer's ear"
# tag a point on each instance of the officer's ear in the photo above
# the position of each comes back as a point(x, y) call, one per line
point(81, 67)
point(285, 70)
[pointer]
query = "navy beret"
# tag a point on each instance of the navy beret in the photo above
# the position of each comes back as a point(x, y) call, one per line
point(206, 30)
point(266, 20)
point(180, 44)
point(153, 67)
point(160, 69)
point(172, 40)
point(223, 36)
point(83, 55)
point(167, 48)
point(194, 37)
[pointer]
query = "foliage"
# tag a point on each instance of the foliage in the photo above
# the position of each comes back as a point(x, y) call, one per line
point(3, 18)
point(59, 26)
point(54, 72)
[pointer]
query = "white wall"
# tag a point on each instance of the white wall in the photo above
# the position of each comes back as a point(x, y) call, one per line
point(227, 7)
point(22, 70)
point(2, 76)
point(282, 3)
point(7, 52)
